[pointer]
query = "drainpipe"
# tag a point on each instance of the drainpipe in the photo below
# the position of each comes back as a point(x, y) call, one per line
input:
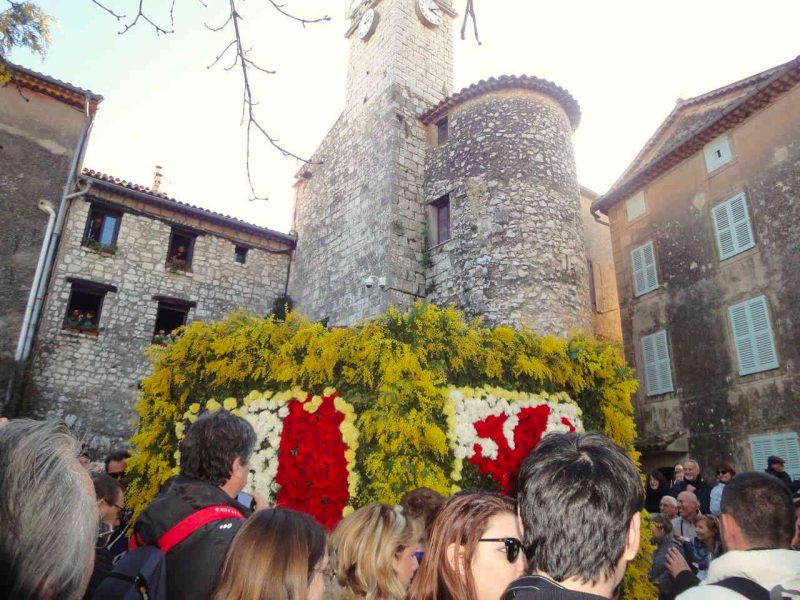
point(55, 235)
point(48, 208)
point(593, 212)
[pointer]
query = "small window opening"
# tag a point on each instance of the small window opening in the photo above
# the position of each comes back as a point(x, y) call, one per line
point(84, 306)
point(170, 316)
point(442, 208)
point(240, 254)
point(102, 228)
point(719, 153)
point(181, 249)
point(442, 131)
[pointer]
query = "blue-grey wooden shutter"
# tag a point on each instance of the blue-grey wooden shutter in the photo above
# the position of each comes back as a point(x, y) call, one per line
point(657, 367)
point(732, 227)
point(752, 334)
point(784, 445)
point(645, 278)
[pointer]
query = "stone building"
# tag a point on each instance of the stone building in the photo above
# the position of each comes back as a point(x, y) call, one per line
point(469, 199)
point(138, 264)
point(704, 226)
point(44, 128)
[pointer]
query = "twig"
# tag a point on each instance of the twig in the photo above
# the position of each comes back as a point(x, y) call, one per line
point(140, 15)
point(470, 12)
point(301, 20)
point(109, 11)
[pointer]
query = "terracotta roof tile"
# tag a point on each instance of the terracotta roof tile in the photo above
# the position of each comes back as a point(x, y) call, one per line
point(60, 90)
point(505, 82)
point(144, 192)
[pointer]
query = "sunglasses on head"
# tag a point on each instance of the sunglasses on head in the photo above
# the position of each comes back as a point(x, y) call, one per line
point(512, 546)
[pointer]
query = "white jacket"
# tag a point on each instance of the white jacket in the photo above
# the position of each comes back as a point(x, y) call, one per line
point(768, 568)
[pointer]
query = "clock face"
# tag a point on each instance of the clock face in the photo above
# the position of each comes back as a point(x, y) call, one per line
point(367, 24)
point(429, 12)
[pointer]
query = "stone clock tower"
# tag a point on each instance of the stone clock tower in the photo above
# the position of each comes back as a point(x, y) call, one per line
point(359, 212)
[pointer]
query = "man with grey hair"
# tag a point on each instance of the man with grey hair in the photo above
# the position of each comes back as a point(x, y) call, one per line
point(668, 506)
point(684, 525)
point(48, 514)
point(693, 482)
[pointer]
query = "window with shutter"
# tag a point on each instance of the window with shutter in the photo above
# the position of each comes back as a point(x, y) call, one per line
point(752, 336)
point(657, 367)
point(732, 227)
point(783, 444)
point(645, 278)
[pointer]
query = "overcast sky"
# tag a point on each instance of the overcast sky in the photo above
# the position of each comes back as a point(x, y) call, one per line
point(626, 62)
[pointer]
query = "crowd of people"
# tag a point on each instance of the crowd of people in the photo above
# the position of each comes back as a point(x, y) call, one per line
point(569, 533)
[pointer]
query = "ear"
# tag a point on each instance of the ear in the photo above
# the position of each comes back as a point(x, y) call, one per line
point(731, 533)
point(238, 468)
point(634, 536)
point(455, 557)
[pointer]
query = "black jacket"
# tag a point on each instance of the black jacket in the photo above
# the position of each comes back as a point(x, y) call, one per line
point(702, 491)
point(782, 475)
point(533, 587)
point(192, 565)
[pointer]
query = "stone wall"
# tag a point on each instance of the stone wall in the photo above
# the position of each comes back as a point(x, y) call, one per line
point(38, 137)
point(712, 403)
point(359, 212)
point(516, 253)
point(91, 381)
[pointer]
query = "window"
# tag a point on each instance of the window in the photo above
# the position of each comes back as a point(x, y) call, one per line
point(657, 369)
point(85, 305)
point(172, 313)
point(778, 444)
point(181, 250)
point(442, 131)
point(717, 153)
point(441, 209)
point(752, 336)
point(635, 206)
point(240, 254)
point(732, 227)
point(645, 278)
point(102, 228)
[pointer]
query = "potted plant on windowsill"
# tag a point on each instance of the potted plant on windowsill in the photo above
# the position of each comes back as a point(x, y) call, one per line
point(177, 265)
point(105, 249)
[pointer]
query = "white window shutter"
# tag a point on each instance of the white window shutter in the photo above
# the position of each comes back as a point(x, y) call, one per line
point(657, 367)
point(732, 226)
point(783, 444)
point(752, 335)
point(645, 277)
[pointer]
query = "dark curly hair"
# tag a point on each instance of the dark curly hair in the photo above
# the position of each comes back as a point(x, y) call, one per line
point(211, 445)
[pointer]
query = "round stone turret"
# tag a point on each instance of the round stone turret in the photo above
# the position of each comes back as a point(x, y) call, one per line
point(503, 206)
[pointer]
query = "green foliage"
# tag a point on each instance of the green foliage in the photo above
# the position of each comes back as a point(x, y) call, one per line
point(394, 370)
point(22, 25)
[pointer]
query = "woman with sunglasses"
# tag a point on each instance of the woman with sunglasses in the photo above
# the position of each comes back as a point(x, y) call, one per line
point(278, 554)
point(110, 504)
point(474, 550)
point(374, 553)
point(725, 473)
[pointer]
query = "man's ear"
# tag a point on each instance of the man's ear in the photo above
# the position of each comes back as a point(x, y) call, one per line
point(633, 539)
point(731, 533)
point(238, 468)
point(455, 557)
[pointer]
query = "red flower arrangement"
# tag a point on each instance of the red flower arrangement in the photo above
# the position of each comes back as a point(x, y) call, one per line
point(312, 470)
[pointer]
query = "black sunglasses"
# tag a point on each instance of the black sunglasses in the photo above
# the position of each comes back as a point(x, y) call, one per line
point(722, 472)
point(513, 546)
point(119, 475)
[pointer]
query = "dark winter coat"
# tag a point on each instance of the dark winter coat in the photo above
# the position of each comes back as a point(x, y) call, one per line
point(192, 565)
point(702, 491)
point(533, 587)
point(782, 475)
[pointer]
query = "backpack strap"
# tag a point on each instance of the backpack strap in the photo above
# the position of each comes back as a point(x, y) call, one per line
point(183, 529)
point(746, 587)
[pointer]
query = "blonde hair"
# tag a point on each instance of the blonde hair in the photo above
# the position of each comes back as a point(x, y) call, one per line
point(364, 546)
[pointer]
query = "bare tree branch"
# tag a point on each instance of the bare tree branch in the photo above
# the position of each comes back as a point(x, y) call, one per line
point(221, 27)
point(141, 15)
point(302, 21)
point(108, 10)
point(470, 12)
point(221, 54)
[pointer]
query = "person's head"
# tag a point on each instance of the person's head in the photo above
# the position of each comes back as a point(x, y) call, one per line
point(110, 498)
point(48, 517)
point(691, 469)
point(464, 560)
point(776, 463)
point(757, 512)
point(217, 450)
point(656, 480)
point(678, 473)
point(373, 552)
point(589, 478)
point(278, 554)
point(117, 464)
point(423, 504)
point(707, 530)
point(668, 506)
point(725, 472)
point(688, 506)
point(660, 527)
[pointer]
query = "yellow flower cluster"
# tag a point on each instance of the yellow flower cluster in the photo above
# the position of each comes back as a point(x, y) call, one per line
point(350, 437)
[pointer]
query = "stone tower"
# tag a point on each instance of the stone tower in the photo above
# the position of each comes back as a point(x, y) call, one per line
point(359, 210)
